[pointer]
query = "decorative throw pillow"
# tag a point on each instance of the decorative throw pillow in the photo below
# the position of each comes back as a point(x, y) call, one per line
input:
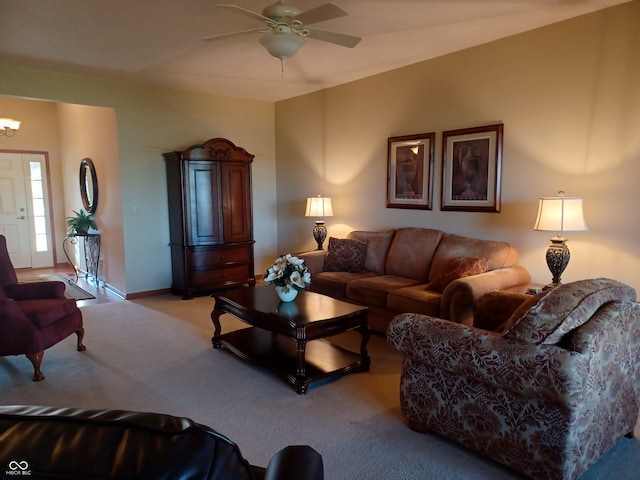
point(458, 267)
point(345, 255)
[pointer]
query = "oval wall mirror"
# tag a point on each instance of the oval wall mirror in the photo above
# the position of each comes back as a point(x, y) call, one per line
point(88, 185)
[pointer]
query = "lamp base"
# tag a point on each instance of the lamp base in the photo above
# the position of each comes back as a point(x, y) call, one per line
point(319, 233)
point(557, 259)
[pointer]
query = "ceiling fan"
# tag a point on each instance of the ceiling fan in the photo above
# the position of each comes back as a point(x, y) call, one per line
point(286, 26)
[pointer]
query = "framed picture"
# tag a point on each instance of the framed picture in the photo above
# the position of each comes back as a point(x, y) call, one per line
point(410, 171)
point(472, 169)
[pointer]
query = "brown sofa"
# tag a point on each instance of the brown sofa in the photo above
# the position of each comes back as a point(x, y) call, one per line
point(548, 393)
point(401, 267)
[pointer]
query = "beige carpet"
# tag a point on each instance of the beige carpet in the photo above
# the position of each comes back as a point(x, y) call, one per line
point(155, 354)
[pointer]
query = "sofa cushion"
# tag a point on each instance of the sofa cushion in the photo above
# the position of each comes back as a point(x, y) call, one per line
point(373, 290)
point(563, 309)
point(334, 284)
point(345, 255)
point(498, 254)
point(377, 248)
point(415, 299)
point(43, 313)
point(454, 268)
point(411, 253)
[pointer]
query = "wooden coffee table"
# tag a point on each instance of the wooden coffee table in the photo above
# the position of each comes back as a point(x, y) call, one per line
point(291, 338)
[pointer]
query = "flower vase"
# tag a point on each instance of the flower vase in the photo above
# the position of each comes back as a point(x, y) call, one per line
point(286, 294)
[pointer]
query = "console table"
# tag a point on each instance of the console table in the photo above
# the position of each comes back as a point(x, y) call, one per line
point(91, 244)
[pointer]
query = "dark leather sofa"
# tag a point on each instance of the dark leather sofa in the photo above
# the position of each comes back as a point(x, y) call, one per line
point(70, 443)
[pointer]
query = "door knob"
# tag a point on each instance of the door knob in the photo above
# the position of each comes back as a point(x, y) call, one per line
point(21, 218)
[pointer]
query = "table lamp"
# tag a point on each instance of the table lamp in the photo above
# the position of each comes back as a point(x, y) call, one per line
point(559, 214)
point(319, 207)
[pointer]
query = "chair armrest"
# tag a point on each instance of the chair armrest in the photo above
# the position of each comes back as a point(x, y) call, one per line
point(295, 462)
point(533, 371)
point(460, 297)
point(35, 290)
point(314, 260)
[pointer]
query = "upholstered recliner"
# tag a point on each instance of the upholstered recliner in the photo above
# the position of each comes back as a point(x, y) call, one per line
point(34, 316)
point(547, 394)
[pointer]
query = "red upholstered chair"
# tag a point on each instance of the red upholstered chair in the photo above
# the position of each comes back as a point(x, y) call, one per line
point(34, 316)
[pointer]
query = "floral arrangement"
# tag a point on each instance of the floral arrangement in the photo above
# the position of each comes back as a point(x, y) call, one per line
point(289, 271)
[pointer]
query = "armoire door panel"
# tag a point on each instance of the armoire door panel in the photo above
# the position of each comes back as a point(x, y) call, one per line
point(204, 201)
point(237, 203)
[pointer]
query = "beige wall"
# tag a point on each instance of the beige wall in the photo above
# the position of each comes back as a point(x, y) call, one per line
point(39, 132)
point(91, 132)
point(147, 121)
point(567, 95)
point(569, 99)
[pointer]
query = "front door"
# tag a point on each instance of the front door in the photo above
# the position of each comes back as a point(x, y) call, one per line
point(24, 209)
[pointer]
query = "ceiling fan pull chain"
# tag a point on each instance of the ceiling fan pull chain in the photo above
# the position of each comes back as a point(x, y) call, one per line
point(281, 67)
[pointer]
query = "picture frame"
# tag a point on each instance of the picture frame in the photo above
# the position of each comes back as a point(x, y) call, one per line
point(472, 169)
point(410, 161)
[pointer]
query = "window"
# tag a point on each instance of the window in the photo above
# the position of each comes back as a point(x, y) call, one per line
point(37, 206)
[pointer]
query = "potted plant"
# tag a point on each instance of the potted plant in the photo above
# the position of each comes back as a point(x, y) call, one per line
point(81, 223)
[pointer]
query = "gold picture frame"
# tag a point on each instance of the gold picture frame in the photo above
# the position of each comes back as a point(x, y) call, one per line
point(472, 169)
point(410, 171)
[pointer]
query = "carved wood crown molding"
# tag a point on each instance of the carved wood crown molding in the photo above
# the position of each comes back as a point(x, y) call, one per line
point(219, 154)
point(217, 149)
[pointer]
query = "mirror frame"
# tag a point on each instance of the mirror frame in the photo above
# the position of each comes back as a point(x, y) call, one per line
point(89, 199)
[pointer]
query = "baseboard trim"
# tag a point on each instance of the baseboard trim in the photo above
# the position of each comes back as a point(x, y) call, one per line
point(148, 293)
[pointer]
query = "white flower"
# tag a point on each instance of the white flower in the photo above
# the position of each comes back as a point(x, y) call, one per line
point(289, 271)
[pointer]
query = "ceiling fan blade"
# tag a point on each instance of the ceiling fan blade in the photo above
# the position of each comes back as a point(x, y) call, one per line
point(334, 37)
point(230, 34)
point(248, 13)
point(320, 14)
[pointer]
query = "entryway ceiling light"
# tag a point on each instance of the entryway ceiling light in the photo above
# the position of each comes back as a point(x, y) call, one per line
point(9, 126)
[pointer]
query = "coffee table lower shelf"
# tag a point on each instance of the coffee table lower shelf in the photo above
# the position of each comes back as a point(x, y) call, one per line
point(279, 354)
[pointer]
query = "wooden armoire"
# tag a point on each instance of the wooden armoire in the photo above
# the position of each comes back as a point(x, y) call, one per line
point(210, 219)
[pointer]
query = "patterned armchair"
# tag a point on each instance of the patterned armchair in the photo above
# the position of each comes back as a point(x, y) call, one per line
point(547, 394)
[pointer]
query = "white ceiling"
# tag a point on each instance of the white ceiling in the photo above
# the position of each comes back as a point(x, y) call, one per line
point(159, 41)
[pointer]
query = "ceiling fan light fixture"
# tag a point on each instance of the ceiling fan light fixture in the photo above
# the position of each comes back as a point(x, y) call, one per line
point(281, 45)
point(280, 12)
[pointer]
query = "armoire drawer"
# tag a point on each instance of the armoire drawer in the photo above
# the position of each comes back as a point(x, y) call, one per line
point(221, 276)
point(206, 258)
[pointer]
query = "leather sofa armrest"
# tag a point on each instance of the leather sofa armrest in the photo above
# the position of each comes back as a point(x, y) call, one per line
point(295, 462)
point(460, 297)
point(314, 260)
point(533, 371)
point(35, 290)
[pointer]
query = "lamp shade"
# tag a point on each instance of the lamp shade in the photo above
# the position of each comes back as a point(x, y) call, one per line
point(560, 214)
point(319, 207)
